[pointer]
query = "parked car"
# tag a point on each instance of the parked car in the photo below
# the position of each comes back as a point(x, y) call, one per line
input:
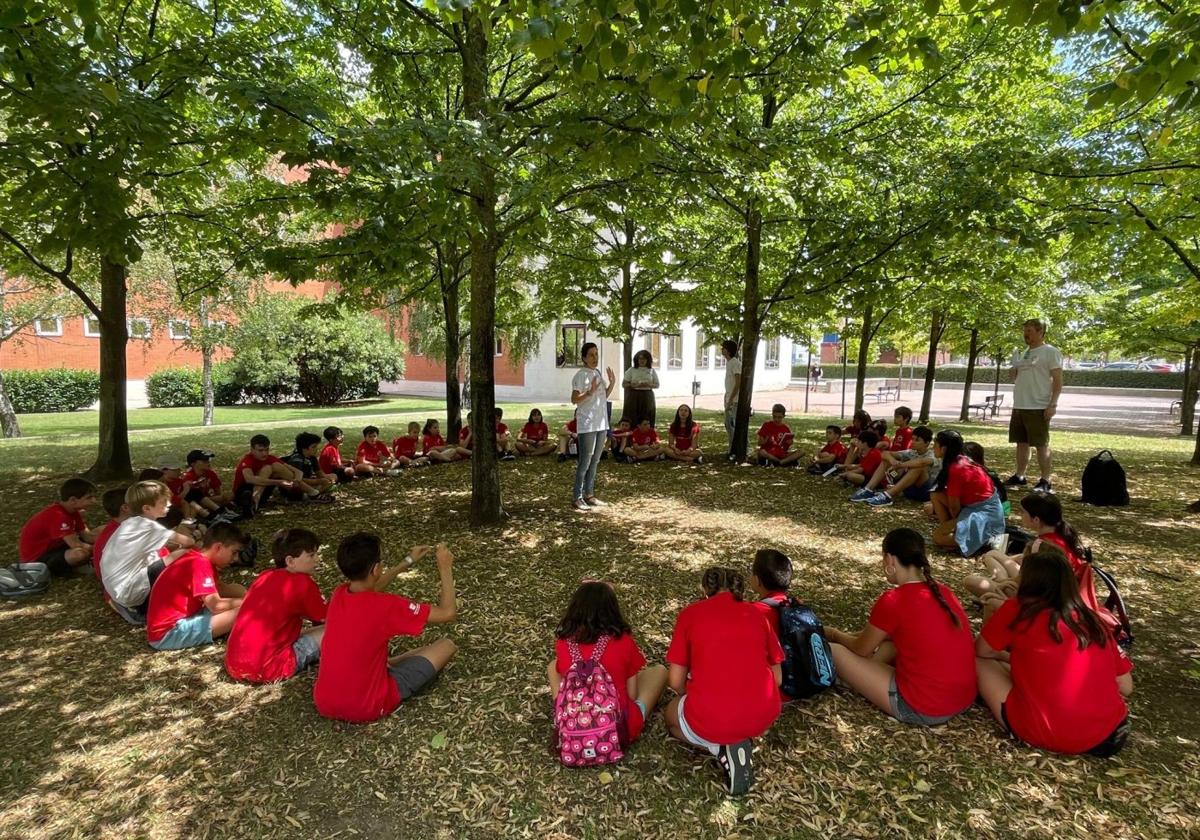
point(1159, 367)
point(1124, 366)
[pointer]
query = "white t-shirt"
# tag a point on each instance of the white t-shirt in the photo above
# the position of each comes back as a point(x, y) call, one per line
point(1032, 388)
point(733, 367)
point(130, 550)
point(640, 378)
point(591, 414)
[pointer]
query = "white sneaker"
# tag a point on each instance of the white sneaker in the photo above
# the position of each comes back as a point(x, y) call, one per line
point(580, 504)
point(393, 472)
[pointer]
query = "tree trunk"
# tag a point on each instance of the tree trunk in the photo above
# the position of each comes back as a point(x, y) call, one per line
point(1191, 382)
point(112, 457)
point(627, 296)
point(8, 415)
point(1196, 451)
point(964, 413)
point(450, 313)
point(485, 474)
point(936, 330)
point(750, 332)
point(206, 367)
point(864, 346)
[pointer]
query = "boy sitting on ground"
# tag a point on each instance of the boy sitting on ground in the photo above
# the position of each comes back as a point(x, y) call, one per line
point(644, 444)
point(189, 605)
point(831, 454)
point(869, 461)
point(373, 456)
point(356, 681)
point(113, 502)
point(621, 450)
point(258, 474)
point(57, 534)
point(330, 458)
point(404, 448)
point(204, 485)
point(314, 484)
point(775, 440)
point(505, 445)
point(913, 473)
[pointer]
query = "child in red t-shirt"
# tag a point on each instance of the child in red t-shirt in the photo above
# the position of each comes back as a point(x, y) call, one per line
point(770, 577)
point(880, 428)
point(965, 501)
point(534, 437)
point(568, 439)
point(505, 445)
point(269, 642)
point(775, 440)
point(683, 437)
point(644, 443)
point(725, 666)
point(619, 441)
point(1064, 685)
point(902, 435)
point(373, 456)
point(330, 459)
point(592, 614)
point(202, 486)
point(189, 605)
point(434, 446)
point(57, 534)
point(356, 680)
point(831, 454)
point(113, 502)
point(404, 448)
point(914, 659)
point(258, 474)
point(861, 472)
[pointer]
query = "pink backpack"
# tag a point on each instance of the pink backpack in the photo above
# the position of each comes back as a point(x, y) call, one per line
point(587, 712)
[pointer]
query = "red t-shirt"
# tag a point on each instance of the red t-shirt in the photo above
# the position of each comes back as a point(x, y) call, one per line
point(353, 683)
point(901, 439)
point(870, 462)
point(837, 449)
point(622, 659)
point(98, 547)
point(969, 482)
point(885, 442)
point(935, 660)
point(464, 437)
point(175, 485)
point(1063, 699)
point(251, 463)
point(330, 459)
point(729, 651)
point(684, 440)
point(430, 442)
point(536, 432)
point(179, 592)
point(405, 447)
point(646, 437)
point(573, 426)
point(372, 453)
point(206, 481)
point(775, 437)
point(501, 429)
point(46, 529)
point(269, 622)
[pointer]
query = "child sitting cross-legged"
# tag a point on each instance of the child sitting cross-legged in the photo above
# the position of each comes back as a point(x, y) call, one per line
point(534, 437)
point(870, 458)
point(204, 485)
point(434, 446)
point(373, 456)
point(189, 605)
point(357, 681)
point(314, 483)
point(644, 444)
point(57, 534)
point(914, 471)
point(683, 437)
point(775, 440)
point(831, 454)
point(619, 444)
point(330, 459)
point(269, 642)
point(593, 628)
point(725, 665)
point(568, 439)
point(404, 448)
point(506, 447)
point(258, 474)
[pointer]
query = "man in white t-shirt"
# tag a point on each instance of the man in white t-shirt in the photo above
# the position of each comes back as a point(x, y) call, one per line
point(1038, 377)
point(733, 384)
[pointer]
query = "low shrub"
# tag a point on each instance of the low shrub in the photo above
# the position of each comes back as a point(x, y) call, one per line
point(178, 387)
point(52, 390)
point(1079, 378)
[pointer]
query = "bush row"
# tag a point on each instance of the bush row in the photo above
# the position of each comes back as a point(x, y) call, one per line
point(1081, 378)
point(179, 387)
point(56, 389)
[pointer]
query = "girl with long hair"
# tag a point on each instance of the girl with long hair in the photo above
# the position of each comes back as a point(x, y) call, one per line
point(682, 437)
point(914, 659)
point(964, 500)
point(639, 383)
point(1049, 670)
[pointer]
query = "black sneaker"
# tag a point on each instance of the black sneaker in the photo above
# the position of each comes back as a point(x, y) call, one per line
point(1015, 480)
point(1043, 487)
point(561, 457)
point(735, 760)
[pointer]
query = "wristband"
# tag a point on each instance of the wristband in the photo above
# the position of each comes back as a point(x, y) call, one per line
point(409, 562)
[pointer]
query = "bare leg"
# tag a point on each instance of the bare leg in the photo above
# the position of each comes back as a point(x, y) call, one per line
point(867, 677)
point(943, 534)
point(1043, 453)
point(995, 682)
point(222, 623)
point(438, 653)
point(651, 682)
point(941, 507)
point(1022, 458)
point(671, 719)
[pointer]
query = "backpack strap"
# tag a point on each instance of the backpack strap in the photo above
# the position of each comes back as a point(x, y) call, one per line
point(598, 650)
point(573, 649)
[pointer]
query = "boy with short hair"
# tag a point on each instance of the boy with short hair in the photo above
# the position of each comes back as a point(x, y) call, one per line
point(268, 642)
point(258, 474)
point(313, 484)
point(57, 534)
point(831, 454)
point(870, 460)
point(139, 550)
point(404, 448)
point(774, 439)
point(189, 605)
point(113, 502)
point(622, 452)
point(373, 456)
point(770, 577)
point(504, 442)
point(903, 433)
point(644, 444)
point(330, 459)
point(203, 485)
point(568, 439)
point(915, 471)
point(356, 681)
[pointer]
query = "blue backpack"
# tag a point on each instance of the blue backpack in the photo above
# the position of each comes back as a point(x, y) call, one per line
point(808, 662)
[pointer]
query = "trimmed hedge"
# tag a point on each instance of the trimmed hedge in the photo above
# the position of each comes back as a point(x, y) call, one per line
point(180, 387)
point(53, 390)
point(1081, 378)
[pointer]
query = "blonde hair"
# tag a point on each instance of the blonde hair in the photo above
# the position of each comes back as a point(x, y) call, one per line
point(143, 494)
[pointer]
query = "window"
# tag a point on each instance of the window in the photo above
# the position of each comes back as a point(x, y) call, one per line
point(652, 342)
point(675, 351)
point(48, 326)
point(179, 330)
point(772, 360)
point(91, 326)
point(701, 352)
point(139, 328)
point(568, 344)
point(499, 346)
point(719, 359)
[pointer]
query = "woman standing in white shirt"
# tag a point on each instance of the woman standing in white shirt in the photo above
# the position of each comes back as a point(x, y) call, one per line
point(590, 397)
point(639, 383)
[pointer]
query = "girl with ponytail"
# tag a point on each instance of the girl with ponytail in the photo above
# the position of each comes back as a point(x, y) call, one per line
point(1063, 685)
point(915, 657)
point(725, 667)
point(964, 500)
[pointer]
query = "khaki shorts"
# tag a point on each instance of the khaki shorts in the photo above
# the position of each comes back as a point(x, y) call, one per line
point(1029, 425)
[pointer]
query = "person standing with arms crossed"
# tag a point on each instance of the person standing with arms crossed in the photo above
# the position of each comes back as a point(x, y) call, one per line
point(1038, 381)
point(733, 384)
point(590, 397)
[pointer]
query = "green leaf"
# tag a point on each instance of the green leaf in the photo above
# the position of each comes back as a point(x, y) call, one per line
point(1098, 96)
point(109, 90)
point(754, 34)
point(543, 48)
point(439, 741)
point(932, 7)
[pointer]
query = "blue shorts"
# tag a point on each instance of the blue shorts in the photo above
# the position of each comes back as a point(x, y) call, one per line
point(905, 713)
point(307, 652)
point(193, 631)
point(917, 494)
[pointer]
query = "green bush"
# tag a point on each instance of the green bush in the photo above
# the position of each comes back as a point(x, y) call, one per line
point(1079, 378)
point(177, 387)
point(53, 390)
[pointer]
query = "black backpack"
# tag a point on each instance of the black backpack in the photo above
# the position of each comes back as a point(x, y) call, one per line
point(1103, 482)
point(808, 661)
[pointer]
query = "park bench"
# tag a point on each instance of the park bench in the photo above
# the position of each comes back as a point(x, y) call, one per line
point(884, 393)
point(990, 407)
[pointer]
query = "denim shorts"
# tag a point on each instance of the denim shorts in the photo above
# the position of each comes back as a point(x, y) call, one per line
point(193, 631)
point(905, 713)
point(412, 674)
point(307, 651)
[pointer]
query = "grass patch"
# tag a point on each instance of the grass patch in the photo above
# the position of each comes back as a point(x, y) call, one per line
point(106, 738)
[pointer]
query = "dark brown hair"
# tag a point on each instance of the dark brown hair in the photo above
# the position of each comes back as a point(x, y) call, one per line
point(592, 612)
point(716, 578)
point(908, 547)
point(1048, 585)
